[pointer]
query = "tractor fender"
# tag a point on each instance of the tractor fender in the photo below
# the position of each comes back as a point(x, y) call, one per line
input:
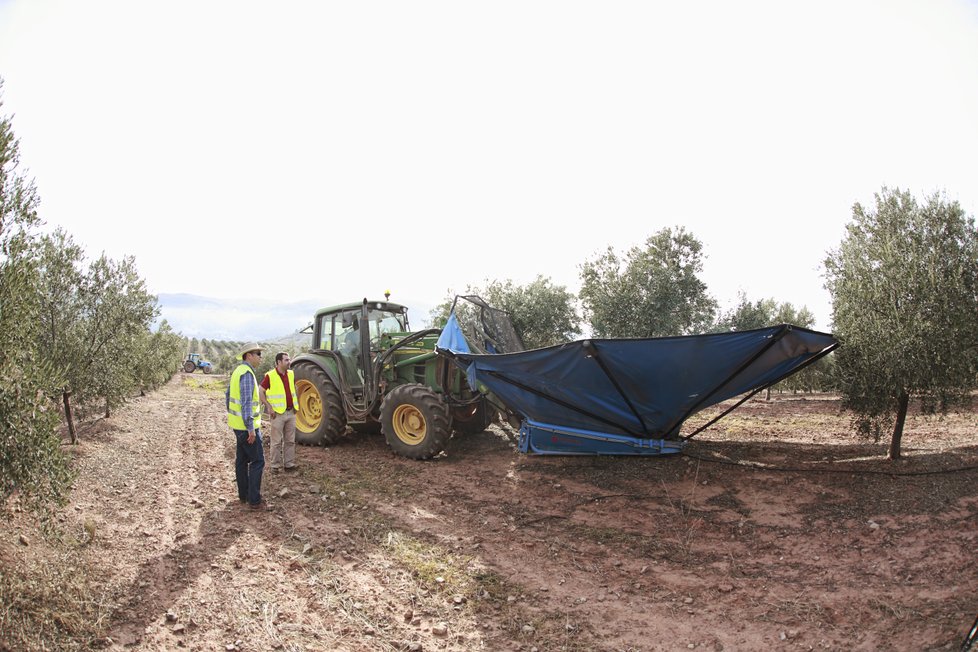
point(323, 362)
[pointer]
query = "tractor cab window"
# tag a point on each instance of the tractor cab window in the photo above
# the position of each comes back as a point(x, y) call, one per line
point(334, 329)
point(341, 331)
point(325, 332)
point(346, 333)
point(382, 321)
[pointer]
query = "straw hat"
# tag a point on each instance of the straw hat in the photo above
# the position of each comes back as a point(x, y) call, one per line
point(248, 349)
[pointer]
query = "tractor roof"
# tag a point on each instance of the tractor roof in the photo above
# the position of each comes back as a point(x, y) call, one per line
point(377, 305)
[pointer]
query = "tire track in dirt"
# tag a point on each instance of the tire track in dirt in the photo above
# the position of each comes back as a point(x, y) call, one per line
point(202, 584)
point(487, 549)
point(184, 564)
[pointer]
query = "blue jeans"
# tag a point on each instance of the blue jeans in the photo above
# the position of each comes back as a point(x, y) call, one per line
point(249, 462)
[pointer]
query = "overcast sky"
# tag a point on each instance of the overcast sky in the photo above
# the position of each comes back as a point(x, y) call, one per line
point(328, 151)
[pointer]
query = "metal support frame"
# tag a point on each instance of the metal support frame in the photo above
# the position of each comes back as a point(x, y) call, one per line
point(812, 360)
point(592, 350)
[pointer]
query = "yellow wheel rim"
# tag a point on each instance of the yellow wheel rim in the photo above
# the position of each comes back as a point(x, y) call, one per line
point(409, 424)
point(310, 412)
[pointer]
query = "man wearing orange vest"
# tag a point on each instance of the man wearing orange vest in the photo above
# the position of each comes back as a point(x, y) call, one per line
point(278, 395)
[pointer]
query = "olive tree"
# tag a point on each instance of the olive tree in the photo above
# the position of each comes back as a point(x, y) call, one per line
point(61, 338)
point(92, 322)
point(32, 465)
point(542, 313)
point(157, 355)
point(747, 315)
point(116, 312)
point(904, 284)
point(650, 291)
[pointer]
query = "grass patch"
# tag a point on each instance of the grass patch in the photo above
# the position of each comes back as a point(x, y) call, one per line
point(206, 383)
point(432, 565)
point(50, 604)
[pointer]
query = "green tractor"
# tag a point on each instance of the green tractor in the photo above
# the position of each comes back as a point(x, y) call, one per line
point(366, 368)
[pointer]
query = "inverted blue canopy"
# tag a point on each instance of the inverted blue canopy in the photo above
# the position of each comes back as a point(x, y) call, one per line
point(641, 388)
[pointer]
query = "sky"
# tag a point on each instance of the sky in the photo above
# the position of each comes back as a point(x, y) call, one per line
point(322, 152)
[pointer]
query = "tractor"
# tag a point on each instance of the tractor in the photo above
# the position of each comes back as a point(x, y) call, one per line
point(591, 397)
point(367, 369)
point(194, 361)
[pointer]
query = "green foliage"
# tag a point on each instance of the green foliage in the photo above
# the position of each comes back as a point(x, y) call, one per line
point(32, 466)
point(117, 312)
point(157, 355)
point(747, 315)
point(60, 337)
point(94, 324)
point(904, 285)
point(652, 291)
point(438, 316)
point(542, 313)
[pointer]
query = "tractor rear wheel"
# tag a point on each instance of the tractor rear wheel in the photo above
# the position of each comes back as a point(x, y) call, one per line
point(471, 419)
point(320, 418)
point(415, 421)
point(189, 366)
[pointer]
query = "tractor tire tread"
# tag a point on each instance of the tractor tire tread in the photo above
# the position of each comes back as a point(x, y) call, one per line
point(333, 425)
point(437, 416)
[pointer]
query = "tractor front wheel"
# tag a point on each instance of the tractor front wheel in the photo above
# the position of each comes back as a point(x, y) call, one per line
point(208, 369)
point(320, 418)
point(415, 421)
point(189, 366)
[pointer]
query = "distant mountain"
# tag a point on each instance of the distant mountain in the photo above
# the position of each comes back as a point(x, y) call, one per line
point(235, 320)
point(250, 319)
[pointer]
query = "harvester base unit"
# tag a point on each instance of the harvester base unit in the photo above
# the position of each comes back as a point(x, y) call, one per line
point(549, 439)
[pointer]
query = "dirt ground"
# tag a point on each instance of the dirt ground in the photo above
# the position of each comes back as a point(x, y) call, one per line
point(776, 530)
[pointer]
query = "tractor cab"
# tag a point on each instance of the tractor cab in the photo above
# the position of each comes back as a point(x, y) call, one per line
point(341, 328)
point(354, 334)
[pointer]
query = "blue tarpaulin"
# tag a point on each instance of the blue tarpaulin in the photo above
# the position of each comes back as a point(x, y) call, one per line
point(629, 391)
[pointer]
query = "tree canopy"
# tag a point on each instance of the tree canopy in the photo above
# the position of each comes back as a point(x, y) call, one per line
point(542, 313)
point(651, 291)
point(32, 465)
point(904, 284)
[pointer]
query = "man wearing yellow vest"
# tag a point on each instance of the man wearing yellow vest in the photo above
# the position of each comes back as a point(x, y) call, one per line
point(244, 418)
point(278, 394)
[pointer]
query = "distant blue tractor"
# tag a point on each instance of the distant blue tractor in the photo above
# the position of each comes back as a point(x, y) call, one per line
point(193, 361)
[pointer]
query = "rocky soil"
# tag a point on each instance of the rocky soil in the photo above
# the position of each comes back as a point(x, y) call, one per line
point(776, 530)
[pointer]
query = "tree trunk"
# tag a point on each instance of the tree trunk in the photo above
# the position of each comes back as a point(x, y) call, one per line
point(904, 400)
point(769, 393)
point(107, 415)
point(66, 397)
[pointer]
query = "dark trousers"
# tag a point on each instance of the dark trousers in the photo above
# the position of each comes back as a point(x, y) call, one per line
point(249, 462)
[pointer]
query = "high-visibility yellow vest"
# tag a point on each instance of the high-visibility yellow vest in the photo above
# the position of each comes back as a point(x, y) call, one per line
point(276, 390)
point(235, 419)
